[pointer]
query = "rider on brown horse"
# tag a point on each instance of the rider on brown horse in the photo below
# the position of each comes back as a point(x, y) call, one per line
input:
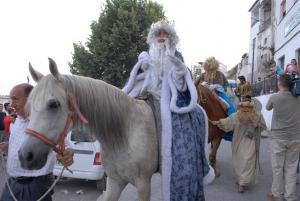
point(216, 81)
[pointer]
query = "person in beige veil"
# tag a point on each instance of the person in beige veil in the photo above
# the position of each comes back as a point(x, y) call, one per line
point(247, 124)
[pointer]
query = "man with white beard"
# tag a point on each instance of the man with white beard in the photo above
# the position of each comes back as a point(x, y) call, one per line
point(184, 123)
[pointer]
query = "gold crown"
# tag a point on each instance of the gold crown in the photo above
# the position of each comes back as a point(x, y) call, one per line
point(162, 22)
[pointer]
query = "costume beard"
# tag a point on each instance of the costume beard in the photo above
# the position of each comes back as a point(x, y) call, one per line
point(248, 115)
point(159, 51)
point(160, 63)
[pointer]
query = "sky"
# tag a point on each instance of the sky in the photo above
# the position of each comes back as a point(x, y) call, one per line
point(33, 30)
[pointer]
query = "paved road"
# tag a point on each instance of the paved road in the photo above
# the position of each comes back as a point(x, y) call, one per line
point(222, 189)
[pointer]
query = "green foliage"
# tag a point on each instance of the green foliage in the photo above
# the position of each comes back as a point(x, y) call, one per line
point(117, 38)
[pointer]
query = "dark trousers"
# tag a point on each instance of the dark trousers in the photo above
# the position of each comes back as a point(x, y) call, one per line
point(28, 188)
point(3, 137)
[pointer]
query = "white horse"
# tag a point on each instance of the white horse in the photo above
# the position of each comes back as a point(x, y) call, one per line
point(124, 126)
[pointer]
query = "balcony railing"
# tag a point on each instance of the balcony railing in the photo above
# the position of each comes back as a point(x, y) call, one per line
point(266, 86)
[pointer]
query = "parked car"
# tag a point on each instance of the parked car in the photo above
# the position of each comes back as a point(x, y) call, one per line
point(87, 157)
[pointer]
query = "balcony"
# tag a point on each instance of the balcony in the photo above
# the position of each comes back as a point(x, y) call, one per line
point(265, 24)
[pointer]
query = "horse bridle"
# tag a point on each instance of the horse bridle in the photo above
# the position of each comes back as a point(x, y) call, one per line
point(59, 147)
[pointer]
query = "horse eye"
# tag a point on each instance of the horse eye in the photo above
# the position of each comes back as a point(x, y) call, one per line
point(53, 104)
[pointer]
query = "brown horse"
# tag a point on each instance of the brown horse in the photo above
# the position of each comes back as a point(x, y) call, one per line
point(214, 112)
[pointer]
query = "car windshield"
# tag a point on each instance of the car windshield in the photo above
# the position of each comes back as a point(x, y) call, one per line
point(80, 133)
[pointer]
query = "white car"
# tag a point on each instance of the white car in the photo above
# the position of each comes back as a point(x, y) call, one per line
point(87, 157)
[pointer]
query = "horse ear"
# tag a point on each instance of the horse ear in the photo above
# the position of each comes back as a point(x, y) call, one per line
point(53, 68)
point(36, 76)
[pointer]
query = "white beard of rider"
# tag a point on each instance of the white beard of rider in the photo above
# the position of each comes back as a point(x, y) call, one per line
point(159, 59)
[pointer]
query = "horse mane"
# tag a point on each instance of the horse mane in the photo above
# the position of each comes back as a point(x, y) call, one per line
point(106, 107)
point(212, 107)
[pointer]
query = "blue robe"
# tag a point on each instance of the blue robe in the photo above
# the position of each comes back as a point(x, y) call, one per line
point(228, 136)
point(189, 163)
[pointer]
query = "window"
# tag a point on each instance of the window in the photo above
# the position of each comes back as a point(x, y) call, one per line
point(80, 133)
point(282, 9)
point(254, 16)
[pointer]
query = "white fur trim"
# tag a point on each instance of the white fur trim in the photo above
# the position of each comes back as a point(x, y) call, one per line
point(209, 178)
point(193, 92)
point(143, 56)
point(206, 129)
point(132, 78)
point(166, 138)
point(131, 84)
point(140, 76)
point(136, 90)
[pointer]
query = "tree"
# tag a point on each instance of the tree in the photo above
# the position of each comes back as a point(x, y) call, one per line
point(117, 37)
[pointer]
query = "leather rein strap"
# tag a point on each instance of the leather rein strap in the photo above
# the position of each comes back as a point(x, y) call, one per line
point(59, 147)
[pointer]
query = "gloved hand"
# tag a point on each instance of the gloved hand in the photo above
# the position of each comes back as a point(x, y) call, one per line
point(144, 58)
point(178, 73)
point(177, 63)
point(204, 83)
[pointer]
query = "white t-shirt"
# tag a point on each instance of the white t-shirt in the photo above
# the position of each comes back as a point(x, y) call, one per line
point(13, 165)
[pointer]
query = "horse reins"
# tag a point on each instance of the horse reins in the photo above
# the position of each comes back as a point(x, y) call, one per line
point(59, 147)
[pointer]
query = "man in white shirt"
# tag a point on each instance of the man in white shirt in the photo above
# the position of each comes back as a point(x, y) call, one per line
point(27, 185)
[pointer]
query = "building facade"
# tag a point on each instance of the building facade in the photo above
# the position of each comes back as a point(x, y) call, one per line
point(261, 42)
point(274, 36)
point(287, 32)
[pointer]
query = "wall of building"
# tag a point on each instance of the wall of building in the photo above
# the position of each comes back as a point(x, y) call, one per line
point(287, 34)
point(263, 33)
point(247, 70)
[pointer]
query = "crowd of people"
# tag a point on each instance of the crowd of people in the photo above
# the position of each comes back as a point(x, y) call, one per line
point(185, 169)
point(7, 115)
